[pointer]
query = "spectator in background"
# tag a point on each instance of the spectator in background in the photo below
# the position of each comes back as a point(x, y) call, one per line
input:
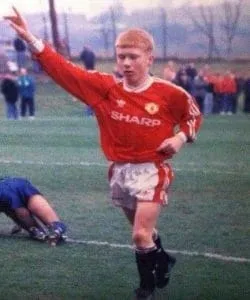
point(9, 89)
point(200, 89)
point(229, 92)
point(26, 86)
point(169, 72)
point(240, 81)
point(20, 48)
point(209, 97)
point(246, 91)
point(218, 92)
point(12, 67)
point(88, 58)
point(184, 81)
point(191, 71)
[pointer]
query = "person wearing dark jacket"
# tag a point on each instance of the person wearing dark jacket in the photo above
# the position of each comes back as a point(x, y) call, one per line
point(9, 89)
point(184, 81)
point(246, 91)
point(20, 48)
point(200, 87)
point(26, 86)
point(88, 58)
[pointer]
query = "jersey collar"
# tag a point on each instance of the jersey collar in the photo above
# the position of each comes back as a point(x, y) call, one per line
point(144, 86)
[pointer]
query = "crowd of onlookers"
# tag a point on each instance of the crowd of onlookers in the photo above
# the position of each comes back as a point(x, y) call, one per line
point(15, 86)
point(215, 92)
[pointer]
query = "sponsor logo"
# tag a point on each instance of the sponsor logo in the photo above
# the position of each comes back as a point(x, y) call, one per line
point(151, 108)
point(115, 115)
point(120, 102)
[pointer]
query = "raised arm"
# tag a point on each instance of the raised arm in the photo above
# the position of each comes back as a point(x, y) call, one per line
point(89, 87)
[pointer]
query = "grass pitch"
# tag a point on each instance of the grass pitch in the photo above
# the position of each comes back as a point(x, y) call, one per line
point(208, 212)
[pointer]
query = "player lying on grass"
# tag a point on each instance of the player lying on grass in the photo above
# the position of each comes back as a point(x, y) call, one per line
point(144, 121)
point(26, 206)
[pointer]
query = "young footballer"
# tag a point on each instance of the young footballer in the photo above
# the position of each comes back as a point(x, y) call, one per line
point(26, 206)
point(144, 121)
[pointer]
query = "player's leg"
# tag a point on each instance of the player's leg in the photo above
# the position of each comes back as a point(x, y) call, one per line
point(145, 220)
point(24, 217)
point(24, 220)
point(40, 208)
point(130, 215)
point(151, 192)
point(164, 262)
point(28, 196)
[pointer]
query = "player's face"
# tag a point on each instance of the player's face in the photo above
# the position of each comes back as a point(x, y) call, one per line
point(134, 64)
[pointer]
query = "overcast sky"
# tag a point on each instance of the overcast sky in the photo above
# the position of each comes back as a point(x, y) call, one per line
point(88, 7)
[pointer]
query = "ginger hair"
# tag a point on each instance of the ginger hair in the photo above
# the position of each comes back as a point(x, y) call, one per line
point(135, 38)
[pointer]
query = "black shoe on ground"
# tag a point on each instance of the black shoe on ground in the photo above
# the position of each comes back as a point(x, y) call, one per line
point(143, 294)
point(55, 237)
point(164, 265)
point(37, 234)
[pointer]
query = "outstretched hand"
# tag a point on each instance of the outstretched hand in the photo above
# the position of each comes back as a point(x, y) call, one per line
point(19, 24)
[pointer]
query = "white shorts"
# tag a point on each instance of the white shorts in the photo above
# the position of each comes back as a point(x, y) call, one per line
point(147, 182)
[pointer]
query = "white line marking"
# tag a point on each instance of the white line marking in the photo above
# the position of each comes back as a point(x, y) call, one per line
point(202, 169)
point(53, 163)
point(116, 245)
point(182, 252)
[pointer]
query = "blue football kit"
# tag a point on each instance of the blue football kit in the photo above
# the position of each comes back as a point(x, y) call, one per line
point(15, 193)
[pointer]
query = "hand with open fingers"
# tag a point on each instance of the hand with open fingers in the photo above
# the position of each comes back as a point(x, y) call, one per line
point(171, 146)
point(19, 24)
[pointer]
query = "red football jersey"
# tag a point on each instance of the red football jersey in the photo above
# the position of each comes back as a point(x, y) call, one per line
point(133, 123)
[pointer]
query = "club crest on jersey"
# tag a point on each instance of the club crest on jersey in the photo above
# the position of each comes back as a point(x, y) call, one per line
point(151, 108)
point(120, 102)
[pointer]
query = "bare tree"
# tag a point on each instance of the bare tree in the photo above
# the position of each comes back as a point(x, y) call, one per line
point(105, 34)
point(232, 14)
point(54, 26)
point(113, 26)
point(45, 28)
point(206, 25)
point(163, 20)
point(66, 34)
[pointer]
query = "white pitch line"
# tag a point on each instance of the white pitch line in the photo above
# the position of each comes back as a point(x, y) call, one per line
point(126, 246)
point(182, 252)
point(88, 163)
point(53, 163)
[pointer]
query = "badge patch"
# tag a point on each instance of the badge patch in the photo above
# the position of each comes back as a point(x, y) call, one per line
point(152, 108)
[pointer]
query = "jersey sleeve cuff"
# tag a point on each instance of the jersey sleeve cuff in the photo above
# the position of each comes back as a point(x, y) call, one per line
point(36, 45)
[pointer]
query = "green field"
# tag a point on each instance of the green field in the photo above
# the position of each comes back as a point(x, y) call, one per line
point(208, 213)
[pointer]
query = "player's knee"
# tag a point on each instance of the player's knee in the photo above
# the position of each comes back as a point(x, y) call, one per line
point(22, 212)
point(142, 237)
